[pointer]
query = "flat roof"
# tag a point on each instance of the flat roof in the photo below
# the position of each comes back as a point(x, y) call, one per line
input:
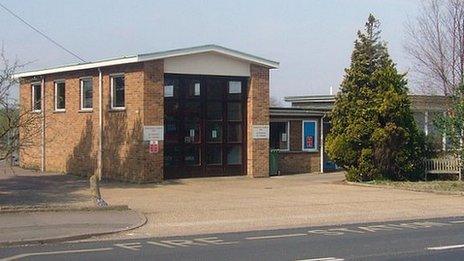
point(295, 112)
point(154, 56)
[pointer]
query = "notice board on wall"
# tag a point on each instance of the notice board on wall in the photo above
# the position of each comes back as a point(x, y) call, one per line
point(153, 133)
point(260, 131)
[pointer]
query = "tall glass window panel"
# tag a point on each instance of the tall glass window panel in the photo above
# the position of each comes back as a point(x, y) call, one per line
point(215, 89)
point(234, 89)
point(172, 156)
point(234, 155)
point(214, 110)
point(234, 132)
point(214, 132)
point(86, 94)
point(60, 96)
point(192, 110)
point(214, 155)
point(192, 156)
point(234, 111)
point(118, 92)
point(192, 132)
point(279, 135)
point(194, 89)
point(36, 97)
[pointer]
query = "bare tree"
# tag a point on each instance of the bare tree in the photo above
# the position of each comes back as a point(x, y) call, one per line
point(436, 45)
point(12, 118)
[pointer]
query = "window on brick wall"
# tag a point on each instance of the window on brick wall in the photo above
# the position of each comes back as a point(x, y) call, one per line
point(279, 134)
point(309, 135)
point(117, 92)
point(60, 96)
point(36, 97)
point(86, 94)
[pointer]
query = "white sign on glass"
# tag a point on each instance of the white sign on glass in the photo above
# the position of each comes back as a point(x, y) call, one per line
point(197, 89)
point(169, 91)
point(153, 133)
point(235, 87)
point(260, 131)
point(284, 137)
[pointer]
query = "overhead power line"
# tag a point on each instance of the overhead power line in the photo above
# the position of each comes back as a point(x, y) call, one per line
point(41, 33)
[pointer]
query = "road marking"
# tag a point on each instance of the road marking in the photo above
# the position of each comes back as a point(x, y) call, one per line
point(445, 247)
point(159, 244)
point(55, 253)
point(182, 242)
point(276, 236)
point(323, 259)
point(457, 221)
point(134, 246)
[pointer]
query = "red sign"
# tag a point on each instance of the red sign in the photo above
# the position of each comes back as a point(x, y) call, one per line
point(153, 147)
point(309, 141)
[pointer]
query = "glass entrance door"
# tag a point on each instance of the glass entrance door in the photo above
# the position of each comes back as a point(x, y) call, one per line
point(204, 126)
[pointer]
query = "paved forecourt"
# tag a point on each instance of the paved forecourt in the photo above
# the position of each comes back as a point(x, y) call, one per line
point(218, 205)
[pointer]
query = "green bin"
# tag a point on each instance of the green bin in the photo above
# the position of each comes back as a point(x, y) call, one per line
point(274, 162)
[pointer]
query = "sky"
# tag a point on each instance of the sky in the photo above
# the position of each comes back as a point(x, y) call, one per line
point(312, 39)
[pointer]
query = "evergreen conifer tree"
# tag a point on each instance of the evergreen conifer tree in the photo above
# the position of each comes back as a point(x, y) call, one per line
point(373, 132)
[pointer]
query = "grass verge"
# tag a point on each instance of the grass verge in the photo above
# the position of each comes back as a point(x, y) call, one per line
point(455, 187)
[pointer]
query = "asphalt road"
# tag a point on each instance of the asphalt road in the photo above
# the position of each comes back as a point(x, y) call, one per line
point(432, 239)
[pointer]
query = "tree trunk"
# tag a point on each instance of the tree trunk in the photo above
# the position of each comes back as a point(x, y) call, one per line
point(95, 191)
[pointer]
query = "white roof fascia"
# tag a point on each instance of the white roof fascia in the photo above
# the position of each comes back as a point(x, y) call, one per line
point(154, 56)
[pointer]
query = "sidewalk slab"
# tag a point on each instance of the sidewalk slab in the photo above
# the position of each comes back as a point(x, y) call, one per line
point(44, 227)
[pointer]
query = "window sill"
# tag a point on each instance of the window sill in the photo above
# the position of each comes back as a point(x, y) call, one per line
point(117, 109)
point(85, 111)
point(59, 111)
point(298, 151)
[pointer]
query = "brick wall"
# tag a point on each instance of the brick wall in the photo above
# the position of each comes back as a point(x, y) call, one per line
point(71, 136)
point(30, 129)
point(296, 160)
point(257, 114)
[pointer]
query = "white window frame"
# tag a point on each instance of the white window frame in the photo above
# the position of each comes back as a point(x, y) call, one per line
point(288, 133)
point(33, 86)
point(56, 82)
point(112, 76)
point(316, 136)
point(81, 80)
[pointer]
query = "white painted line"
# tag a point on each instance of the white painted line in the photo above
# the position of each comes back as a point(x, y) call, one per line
point(457, 221)
point(275, 236)
point(323, 259)
point(445, 247)
point(56, 253)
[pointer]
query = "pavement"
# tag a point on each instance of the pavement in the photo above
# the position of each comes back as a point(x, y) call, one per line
point(20, 188)
point(49, 207)
point(233, 204)
point(432, 239)
point(19, 228)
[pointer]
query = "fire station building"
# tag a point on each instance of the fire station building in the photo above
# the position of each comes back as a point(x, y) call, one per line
point(194, 112)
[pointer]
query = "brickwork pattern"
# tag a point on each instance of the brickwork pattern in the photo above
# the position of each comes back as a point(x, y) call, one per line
point(71, 137)
point(296, 160)
point(257, 114)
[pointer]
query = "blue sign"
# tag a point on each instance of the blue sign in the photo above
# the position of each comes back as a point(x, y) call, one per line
point(309, 135)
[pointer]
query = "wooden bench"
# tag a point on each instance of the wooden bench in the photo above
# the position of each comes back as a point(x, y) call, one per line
point(447, 165)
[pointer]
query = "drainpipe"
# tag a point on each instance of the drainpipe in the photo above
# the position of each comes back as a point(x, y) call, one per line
point(42, 109)
point(100, 124)
point(322, 143)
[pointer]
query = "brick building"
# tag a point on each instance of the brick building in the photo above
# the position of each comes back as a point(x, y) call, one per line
point(194, 112)
point(297, 135)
